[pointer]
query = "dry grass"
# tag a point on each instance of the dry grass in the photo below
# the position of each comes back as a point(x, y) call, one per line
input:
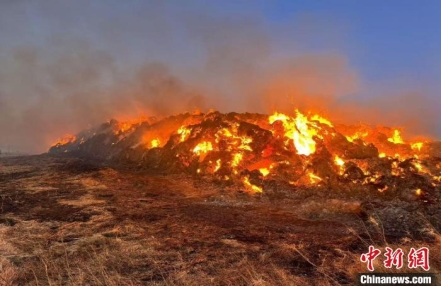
point(132, 229)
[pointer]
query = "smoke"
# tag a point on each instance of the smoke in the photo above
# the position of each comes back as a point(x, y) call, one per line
point(70, 66)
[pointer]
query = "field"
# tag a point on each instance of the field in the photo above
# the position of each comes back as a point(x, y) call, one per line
point(68, 220)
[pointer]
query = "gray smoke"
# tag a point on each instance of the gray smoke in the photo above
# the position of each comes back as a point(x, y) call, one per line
point(69, 65)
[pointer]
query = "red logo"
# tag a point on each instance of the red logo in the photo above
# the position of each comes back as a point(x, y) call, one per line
point(394, 258)
point(370, 257)
point(419, 258)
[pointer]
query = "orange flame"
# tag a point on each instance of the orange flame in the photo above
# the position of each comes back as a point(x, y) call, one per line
point(396, 138)
point(68, 138)
point(301, 130)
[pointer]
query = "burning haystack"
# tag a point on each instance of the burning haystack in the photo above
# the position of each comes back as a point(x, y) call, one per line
point(263, 153)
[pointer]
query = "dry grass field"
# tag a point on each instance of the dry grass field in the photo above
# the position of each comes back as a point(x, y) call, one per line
point(73, 221)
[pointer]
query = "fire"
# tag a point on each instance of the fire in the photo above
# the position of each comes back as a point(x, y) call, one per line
point(245, 141)
point(184, 132)
point(358, 135)
point(418, 166)
point(233, 140)
point(203, 147)
point(416, 146)
point(224, 132)
point(129, 125)
point(396, 138)
point(385, 188)
point(314, 179)
point(278, 117)
point(301, 130)
point(68, 138)
point(155, 143)
point(233, 148)
point(303, 136)
point(264, 171)
point(236, 159)
point(250, 186)
point(338, 161)
point(322, 120)
point(218, 165)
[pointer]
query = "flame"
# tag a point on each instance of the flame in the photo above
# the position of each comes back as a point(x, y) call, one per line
point(322, 120)
point(128, 125)
point(68, 138)
point(250, 186)
point(236, 159)
point(234, 141)
point(155, 143)
point(416, 146)
point(264, 171)
point(314, 179)
point(418, 166)
point(303, 136)
point(278, 117)
point(218, 165)
point(203, 147)
point(300, 129)
point(225, 132)
point(245, 141)
point(338, 161)
point(184, 132)
point(358, 135)
point(396, 138)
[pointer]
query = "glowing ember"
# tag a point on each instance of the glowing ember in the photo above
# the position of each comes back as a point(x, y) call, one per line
point(418, 192)
point(382, 155)
point(383, 189)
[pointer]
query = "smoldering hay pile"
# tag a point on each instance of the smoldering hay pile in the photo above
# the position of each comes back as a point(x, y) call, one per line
point(264, 153)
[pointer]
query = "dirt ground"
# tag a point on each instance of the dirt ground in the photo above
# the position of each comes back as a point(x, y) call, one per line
point(73, 221)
